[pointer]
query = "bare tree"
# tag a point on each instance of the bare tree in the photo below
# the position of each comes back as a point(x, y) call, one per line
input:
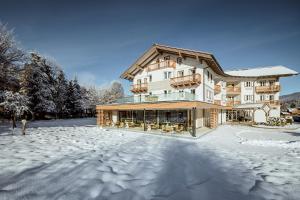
point(10, 58)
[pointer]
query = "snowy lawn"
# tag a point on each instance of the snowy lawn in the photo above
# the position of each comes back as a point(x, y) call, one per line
point(73, 159)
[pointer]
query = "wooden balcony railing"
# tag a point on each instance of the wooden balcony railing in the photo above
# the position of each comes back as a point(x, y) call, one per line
point(139, 88)
point(232, 103)
point(217, 89)
point(267, 89)
point(217, 102)
point(161, 65)
point(186, 81)
point(271, 102)
point(233, 90)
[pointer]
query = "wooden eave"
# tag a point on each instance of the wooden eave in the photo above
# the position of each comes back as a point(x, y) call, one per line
point(175, 105)
point(157, 49)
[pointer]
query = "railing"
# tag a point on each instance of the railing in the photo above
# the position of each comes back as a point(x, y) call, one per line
point(161, 65)
point(266, 89)
point(232, 103)
point(233, 90)
point(217, 89)
point(271, 102)
point(217, 102)
point(188, 80)
point(178, 96)
point(139, 88)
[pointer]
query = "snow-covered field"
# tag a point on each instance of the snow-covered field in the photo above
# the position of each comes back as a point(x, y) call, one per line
point(73, 159)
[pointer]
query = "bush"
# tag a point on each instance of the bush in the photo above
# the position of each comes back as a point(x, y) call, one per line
point(276, 121)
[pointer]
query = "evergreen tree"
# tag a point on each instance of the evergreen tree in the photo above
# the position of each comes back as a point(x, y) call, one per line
point(78, 100)
point(70, 105)
point(37, 84)
point(60, 96)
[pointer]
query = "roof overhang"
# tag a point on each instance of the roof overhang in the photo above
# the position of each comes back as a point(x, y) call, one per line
point(158, 49)
point(176, 105)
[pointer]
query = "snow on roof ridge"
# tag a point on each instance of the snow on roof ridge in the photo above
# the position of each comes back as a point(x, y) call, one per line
point(251, 68)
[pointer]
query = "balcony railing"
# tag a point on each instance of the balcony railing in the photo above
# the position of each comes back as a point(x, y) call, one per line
point(233, 90)
point(217, 89)
point(232, 103)
point(217, 102)
point(271, 102)
point(139, 88)
point(161, 65)
point(267, 89)
point(186, 81)
point(176, 96)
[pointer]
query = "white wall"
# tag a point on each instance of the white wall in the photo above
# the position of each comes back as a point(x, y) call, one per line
point(259, 116)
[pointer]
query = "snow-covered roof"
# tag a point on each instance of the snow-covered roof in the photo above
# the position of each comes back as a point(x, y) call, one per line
point(263, 71)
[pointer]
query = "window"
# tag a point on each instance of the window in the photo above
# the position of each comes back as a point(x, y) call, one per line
point(262, 97)
point(193, 71)
point(262, 83)
point(248, 97)
point(208, 75)
point(193, 91)
point(271, 83)
point(150, 78)
point(179, 60)
point(150, 93)
point(211, 77)
point(271, 97)
point(167, 58)
point(165, 92)
point(180, 73)
point(248, 84)
point(139, 81)
point(167, 75)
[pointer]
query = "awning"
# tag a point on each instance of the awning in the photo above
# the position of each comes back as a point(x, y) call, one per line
point(178, 105)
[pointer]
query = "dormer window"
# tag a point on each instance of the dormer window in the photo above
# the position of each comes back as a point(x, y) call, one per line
point(167, 58)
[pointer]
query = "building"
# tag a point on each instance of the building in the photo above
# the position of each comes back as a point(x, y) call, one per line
point(189, 89)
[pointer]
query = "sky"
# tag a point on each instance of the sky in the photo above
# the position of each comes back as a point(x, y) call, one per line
point(98, 40)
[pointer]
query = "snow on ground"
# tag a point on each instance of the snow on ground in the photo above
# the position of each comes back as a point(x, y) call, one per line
point(73, 159)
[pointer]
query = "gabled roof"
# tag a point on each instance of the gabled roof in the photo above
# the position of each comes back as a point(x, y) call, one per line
point(157, 49)
point(263, 71)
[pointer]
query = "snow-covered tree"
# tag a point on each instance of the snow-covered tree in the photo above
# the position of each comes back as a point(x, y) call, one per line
point(38, 85)
point(113, 92)
point(15, 105)
point(10, 57)
point(78, 103)
point(60, 97)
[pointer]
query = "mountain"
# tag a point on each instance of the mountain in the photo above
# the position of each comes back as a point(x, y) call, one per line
point(290, 97)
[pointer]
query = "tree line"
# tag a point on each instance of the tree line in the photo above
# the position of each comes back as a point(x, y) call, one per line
point(35, 86)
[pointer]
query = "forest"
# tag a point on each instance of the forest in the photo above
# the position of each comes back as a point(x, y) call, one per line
point(33, 86)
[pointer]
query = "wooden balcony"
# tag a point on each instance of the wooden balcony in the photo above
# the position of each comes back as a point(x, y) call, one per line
point(217, 89)
point(232, 103)
point(186, 81)
point(217, 102)
point(267, 89)
point(233, 90)
point(139, 88)
point(271, 102)
point(161, 65)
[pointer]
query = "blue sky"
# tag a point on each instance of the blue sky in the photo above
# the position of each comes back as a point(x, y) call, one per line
point(98, 40)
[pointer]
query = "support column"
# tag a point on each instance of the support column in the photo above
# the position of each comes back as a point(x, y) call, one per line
point(213, 120)
point(100, 117)
point(145, 128)
point(194, 116)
